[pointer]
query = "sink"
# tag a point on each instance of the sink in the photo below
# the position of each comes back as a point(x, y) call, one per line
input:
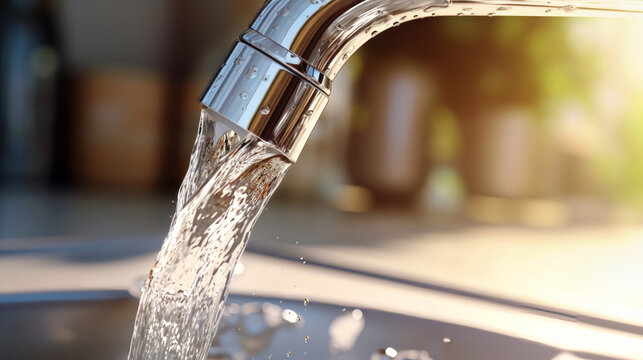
point(352, 314)
point(98, 325)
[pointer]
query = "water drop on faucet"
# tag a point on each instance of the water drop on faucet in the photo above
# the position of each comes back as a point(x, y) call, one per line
point(569, 8)
point(283, 12)
point(252, 72)
point(265, 110)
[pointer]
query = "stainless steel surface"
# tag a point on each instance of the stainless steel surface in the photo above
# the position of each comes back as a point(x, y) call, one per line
point(398, 312)
point(97, 325)
point(270, 92)
point(277, 78)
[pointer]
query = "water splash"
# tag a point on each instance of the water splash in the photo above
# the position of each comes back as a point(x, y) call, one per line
point(230, 179)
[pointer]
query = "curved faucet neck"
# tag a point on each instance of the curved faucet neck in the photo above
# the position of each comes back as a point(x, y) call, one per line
point(277, 78)
point(326, 33)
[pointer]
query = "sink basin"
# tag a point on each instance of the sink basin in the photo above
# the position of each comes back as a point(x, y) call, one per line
point(353, 314)
point(98, 325)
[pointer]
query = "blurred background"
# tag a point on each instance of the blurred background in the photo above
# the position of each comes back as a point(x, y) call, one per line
point(501, 154)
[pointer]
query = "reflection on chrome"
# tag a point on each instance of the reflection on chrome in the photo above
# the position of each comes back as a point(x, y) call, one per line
point(344, 331)
point(567, 356)
point(390, 353)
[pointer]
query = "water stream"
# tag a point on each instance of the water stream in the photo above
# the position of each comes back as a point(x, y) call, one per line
point(230, 179)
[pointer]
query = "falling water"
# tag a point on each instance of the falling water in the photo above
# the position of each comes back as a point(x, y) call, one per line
point(230, 179)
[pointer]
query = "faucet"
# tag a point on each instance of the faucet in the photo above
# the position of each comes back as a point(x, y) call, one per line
point(276, 80)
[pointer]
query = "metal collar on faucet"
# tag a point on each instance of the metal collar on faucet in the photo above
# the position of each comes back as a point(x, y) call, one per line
point(277, 77)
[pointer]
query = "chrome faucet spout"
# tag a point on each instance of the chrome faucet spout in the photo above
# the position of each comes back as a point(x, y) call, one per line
point(277, 78)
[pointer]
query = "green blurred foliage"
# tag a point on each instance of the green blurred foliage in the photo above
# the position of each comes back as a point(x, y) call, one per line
point(517, 60)
point(444, 136)
point(631, 176)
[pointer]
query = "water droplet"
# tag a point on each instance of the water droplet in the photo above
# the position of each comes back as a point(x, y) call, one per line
point(491, 14)
point(568, 8)
point(243, 95)
point(504, 8)
point(306, 301)
point(238, 60)
point(269, 356)
point(283, 12)
point(374, 33)
point(357, 314)
point(265, 110)
point(446, 340)
point(252, 72)
point(345, 57)
point(396, 23)
point(288, 353)
point(340, 27)
point(389, 354)
point(467, 9)
point(344, 310)
point(298, 318)
point(314, 2)
point(309, 113)
point(307, 338)
point(548, 10)
point(380, 12)
point(266, 78)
